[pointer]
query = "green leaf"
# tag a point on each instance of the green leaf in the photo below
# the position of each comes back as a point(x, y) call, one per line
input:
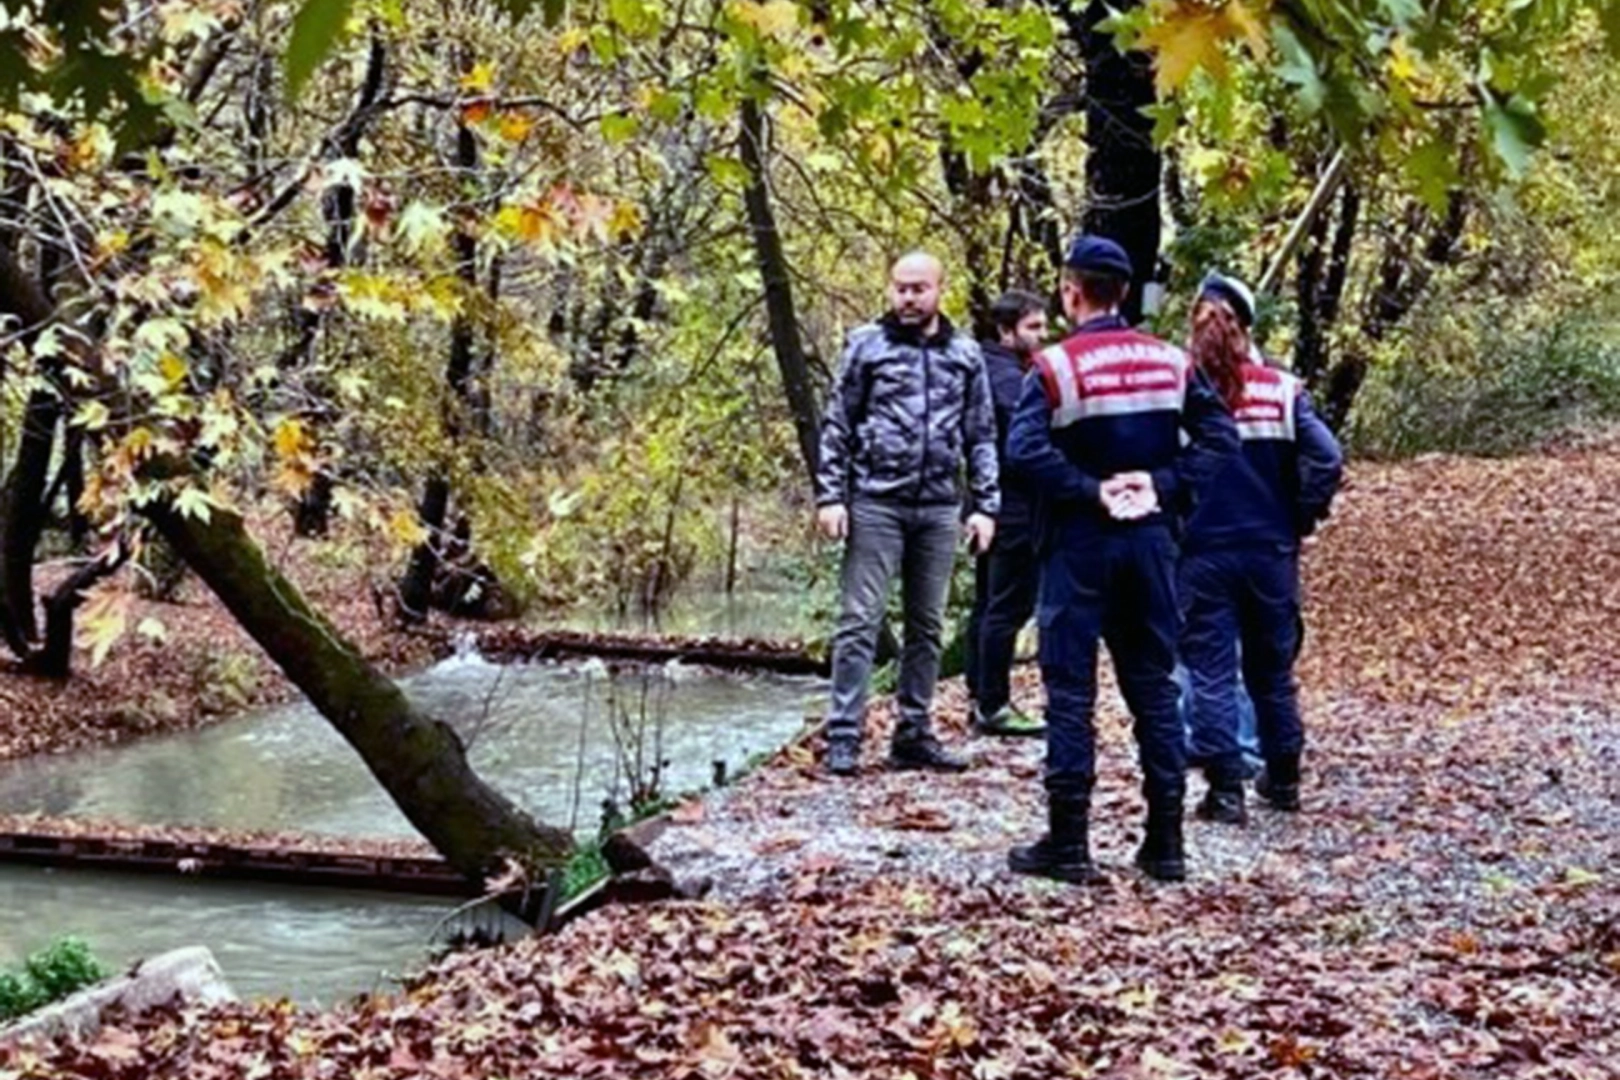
point(619, 127)
point(1297, 67)
point(1433, 168)
point(1609, 16)
point(315, 30)
point(1402, 12)
point(1516, 132)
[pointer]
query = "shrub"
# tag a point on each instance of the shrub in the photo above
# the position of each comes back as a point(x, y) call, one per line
point(51, 974)
point(1506, 397)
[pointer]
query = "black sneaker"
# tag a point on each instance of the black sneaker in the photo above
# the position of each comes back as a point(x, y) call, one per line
point(843, 758)
point(1008, 723)
point(1280, 796)
point(924, 753)
point(1223, 806)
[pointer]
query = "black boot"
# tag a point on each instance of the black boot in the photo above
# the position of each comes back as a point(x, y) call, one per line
point(843, 757)
point(1223, 802)
point(1162, 855)
point(923, 752)
point(1279, 783)
point(1064, 853)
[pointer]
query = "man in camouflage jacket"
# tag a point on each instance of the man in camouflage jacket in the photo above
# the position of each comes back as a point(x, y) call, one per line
point(911, 405)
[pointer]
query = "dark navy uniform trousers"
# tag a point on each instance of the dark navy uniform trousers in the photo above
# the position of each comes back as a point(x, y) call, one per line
point(1114, 585)
point(1249, 596)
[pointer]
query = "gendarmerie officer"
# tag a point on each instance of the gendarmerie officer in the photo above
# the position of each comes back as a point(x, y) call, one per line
point(1099, 430)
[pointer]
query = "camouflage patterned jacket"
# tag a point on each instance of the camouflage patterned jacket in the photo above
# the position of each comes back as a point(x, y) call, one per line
point(904, 416)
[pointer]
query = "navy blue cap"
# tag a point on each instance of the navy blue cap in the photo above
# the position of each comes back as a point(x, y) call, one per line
point(1092, 254)
point(1233, 293)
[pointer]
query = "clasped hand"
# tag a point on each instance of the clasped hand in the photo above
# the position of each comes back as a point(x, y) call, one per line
point(1129, 496)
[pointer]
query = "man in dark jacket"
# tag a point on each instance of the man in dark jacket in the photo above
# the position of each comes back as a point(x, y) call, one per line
point(1099, 429)
point(911, 404)
point(1004, 579)
point(1239, 577)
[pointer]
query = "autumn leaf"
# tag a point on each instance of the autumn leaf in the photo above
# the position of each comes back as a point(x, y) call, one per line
point(515, 126)
point(774, 18)
point(291, 439)
point(1192, 35)
point(480, 79)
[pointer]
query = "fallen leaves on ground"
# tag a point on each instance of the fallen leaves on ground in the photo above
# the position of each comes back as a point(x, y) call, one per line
point(1448, 906)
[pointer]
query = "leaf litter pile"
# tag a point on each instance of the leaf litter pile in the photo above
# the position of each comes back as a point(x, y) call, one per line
point(1448, 905)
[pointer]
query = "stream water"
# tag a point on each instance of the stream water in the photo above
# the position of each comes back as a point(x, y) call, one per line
point(558, 739)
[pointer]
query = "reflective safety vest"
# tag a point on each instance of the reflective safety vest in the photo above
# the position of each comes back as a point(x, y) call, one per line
point(1120, 373)
point(1266, 410)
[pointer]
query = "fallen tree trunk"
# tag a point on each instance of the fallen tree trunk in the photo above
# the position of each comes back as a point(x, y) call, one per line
point(521, 644)
point(420, 762)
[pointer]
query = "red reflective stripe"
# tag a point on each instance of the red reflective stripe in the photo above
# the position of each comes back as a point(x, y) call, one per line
point(1043, 364)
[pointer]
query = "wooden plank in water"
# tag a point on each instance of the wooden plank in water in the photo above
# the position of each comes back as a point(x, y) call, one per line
point(288, 866)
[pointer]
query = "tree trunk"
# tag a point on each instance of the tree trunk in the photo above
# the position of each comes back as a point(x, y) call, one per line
point(420, 762)
point(22, 519)
point(1404, 274)
point(55, 660)
point(21, 516)
point(416, 588)
point(312, 514)
point(786, 340)
point(1123, 168)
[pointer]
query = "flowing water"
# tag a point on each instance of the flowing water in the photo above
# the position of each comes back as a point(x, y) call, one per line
point(558, 739)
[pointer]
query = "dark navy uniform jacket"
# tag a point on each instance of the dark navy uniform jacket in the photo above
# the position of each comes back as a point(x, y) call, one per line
point(1006, 372)
point(1283, 482)
point(1109, 400)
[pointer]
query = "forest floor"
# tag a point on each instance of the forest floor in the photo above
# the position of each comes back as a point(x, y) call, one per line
point(1447, 906)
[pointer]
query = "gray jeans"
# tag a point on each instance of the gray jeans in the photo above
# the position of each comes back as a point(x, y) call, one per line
point(920, 542)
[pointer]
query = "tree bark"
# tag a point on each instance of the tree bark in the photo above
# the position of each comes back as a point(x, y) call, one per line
point(787, 342)
point(420, 762)
point(1404, 274)
point(55, 659)
point(416, 587)
point(1123, 167)
point(312, 514)
point(23, 518)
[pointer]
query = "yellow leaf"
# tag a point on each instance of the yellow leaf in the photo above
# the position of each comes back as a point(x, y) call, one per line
point(102, 623)
point(1246, 19)
point(515, 126)
point(537, 223)
point(1403, 64)
point(293, 477)
point(92, 416)
point(406, 528)
point(573, 39)
point(480, 78)
point(624, 221)
point(173, 368)
point(777, 18)
point(291, 440)
point(1185, 38)
point(1189, 35)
